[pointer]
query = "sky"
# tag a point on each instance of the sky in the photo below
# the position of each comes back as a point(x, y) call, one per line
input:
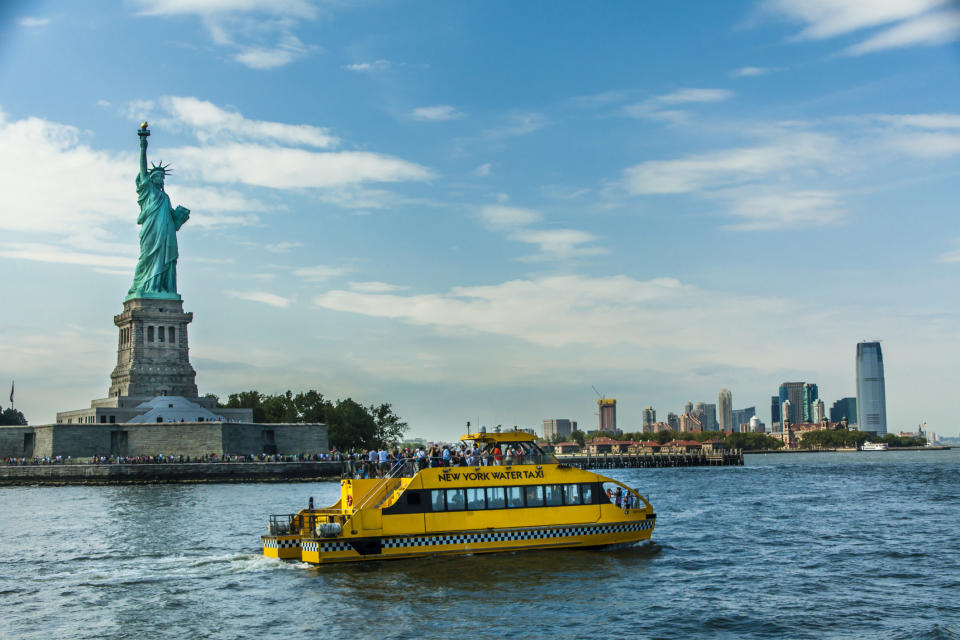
point(483, 211)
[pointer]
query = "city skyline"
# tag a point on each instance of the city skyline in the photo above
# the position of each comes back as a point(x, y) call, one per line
point(476, 214)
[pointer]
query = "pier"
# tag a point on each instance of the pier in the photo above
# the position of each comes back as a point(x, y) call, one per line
point(732, 457)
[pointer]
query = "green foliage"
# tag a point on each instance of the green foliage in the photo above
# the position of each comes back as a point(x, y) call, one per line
point(579, 437)
point(351, 425)
point(903, 441)
point(12, 417)
point(753, 441)
point(828, 439)
point(390, 428)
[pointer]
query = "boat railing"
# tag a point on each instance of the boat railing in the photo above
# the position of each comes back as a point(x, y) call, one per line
point(282, 524)
point(381, 489)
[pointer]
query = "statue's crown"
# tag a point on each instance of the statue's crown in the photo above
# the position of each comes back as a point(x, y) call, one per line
point(162, 168)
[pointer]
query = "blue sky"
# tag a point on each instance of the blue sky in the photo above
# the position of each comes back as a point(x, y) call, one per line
point(477, 211)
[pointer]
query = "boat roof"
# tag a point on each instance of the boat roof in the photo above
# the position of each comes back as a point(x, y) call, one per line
point(506, 436)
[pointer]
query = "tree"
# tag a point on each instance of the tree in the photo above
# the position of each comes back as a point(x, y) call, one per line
point(389, 427)
point(12, 417)
point(311, 406)
point(579, 437)
point(351, 426)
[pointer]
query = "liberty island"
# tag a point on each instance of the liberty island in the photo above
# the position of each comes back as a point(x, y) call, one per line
point(153, 404)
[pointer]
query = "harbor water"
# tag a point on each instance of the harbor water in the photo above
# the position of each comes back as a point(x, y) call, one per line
point(832, 545)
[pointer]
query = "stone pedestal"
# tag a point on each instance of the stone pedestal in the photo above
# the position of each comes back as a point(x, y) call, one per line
point(153, 354)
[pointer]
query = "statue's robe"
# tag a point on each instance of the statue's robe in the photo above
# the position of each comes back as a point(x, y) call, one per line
point(157, 267)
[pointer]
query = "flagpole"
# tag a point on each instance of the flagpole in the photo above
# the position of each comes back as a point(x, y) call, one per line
point(12, 382)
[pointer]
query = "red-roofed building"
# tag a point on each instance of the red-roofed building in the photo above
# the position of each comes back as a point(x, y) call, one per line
point(566, 447)
point(684, 446)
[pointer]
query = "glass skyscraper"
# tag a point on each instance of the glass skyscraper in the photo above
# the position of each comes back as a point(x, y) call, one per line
point(871, 392)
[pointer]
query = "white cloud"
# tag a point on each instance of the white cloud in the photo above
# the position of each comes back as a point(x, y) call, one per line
point(437, 113)
point(653, 108)
point(764, 209)
point(498, 217)
point(290, 48)
point(375, 287)
point(914, 22)
point(378, 65)
point(319, 273)
point(922, 120)
point(483, 170)
point(301, 8)
point(563, 310)
point(518, 124)
point(262, 297)
point(34, 23)
point(260, 30)
point(746, 72)
point(57, 254)
point(930, 29)
point(208, 121)
point(282, 247)
point(724, 168)
point(927, 144)
point(558, 244)
point(830, 18)
point(285, 168)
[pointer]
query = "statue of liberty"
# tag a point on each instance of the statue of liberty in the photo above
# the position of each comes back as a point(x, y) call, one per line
point(156, 274)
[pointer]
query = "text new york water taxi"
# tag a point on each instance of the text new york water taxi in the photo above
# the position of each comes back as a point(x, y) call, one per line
point(530, 501)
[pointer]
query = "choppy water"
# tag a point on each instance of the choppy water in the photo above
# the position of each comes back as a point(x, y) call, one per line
point(858, 545)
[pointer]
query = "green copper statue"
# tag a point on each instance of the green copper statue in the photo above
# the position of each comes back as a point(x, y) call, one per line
point(156, 274)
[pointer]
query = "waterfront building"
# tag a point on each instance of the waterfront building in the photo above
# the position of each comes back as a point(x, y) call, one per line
point(725, 410)
point(819, 412)
point(774, 411)
point(741, 418)
point(673, 421)
point(801, 395)
point(785, 412)
point(709, 417)
point(608, 414)
point(844, 408)
point(871, 392)
point(558, 427)
point(755, 425)
point(649, 418)
point(690, 423)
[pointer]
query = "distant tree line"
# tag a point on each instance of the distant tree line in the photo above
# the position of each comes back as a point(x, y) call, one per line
point(850, 439)
point(11, 417)
point(351, 425)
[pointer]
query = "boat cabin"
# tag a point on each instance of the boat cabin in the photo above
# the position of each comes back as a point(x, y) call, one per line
point(510, 447)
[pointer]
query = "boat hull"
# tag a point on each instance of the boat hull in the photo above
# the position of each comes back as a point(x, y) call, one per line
point(321, 551)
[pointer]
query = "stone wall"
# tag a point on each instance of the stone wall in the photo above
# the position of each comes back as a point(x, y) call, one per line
point(170, 473)
point(167, 438)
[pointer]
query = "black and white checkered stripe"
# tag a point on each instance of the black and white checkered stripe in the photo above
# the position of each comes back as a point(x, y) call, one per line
point(273, 543)
point(326, 547)
point(310, 546)
point(523, 534)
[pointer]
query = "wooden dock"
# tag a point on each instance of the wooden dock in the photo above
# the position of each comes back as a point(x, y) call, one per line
point(733, 457)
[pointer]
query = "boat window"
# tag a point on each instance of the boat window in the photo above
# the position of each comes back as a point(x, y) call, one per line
point(475, 499)
point(495, 499)
point(455, 500)
point(436, 497)
point(554, 495)
point(586, 491)
point(571, 494)
point(514, 496)
point(534, 496)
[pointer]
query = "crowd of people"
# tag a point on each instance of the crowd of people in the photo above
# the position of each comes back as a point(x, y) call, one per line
point(376, 463)
point(167, 459)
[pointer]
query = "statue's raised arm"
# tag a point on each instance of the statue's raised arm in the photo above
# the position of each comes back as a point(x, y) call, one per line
point(144, 133)
point(156, 274)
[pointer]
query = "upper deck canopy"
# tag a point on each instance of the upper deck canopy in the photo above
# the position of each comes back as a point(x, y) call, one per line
point(506, 436)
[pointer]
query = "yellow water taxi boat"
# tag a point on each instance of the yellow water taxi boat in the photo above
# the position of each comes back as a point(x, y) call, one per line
point(528, 501)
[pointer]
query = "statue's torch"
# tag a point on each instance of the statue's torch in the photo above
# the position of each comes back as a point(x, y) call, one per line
point(143, 132)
